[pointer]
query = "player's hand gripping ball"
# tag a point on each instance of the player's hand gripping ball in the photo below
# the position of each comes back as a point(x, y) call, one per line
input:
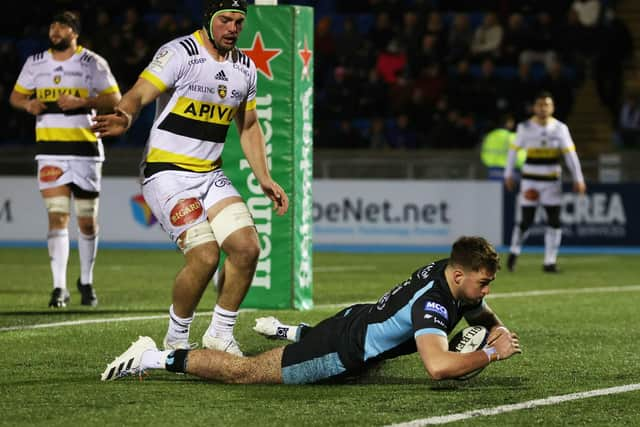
point(471, 338)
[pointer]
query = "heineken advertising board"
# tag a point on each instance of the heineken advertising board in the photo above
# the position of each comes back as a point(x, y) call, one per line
point(279, 39)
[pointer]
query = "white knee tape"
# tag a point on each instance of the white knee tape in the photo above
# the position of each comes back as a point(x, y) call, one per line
point(196, 235)
point(86, 207)
point(58, 204)
point(230, 219)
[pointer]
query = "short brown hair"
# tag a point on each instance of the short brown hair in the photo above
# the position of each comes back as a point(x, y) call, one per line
point(68, 18)
point(474, 253)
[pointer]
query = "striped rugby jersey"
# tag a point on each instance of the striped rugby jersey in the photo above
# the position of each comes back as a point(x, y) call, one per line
point(545, 146)
point(66, 135)
point(200, 97)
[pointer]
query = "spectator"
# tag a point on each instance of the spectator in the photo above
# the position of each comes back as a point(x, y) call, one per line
point(459, 39)
point(630, 121)
point(348, 43)
point(488, 91)
point(462, 86)
point(377, 134)
point(410, 35)
point(391, 62)
point(402, 136)
point(561, 87)
point(541, 44)
point(588, 12)
point(373, 95)
point(436, 28)
point(515, 39)
point(426, 55)
point(341, 99)
point(431, 83)
point(325, 51)
point(345, 136)
point(521, 90)
point(381, 32)
point(487, 38)
point(615, 50)
point(574, 47)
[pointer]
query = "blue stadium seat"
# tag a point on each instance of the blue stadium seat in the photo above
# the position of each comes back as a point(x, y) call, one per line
point(365, 22)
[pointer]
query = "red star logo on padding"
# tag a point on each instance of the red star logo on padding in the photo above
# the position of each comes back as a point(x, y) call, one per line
point(261, 56)
point(306, 55)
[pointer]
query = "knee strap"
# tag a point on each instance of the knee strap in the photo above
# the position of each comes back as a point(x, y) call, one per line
point(231, 218)
point(196, 235)
point(86, 207)
point(58, 204)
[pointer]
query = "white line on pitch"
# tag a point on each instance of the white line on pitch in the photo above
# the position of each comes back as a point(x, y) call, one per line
point(346, 304)
point(497, 410)
point(340, 269)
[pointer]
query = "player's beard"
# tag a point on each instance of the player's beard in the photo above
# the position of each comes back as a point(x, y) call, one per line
point(60, 46)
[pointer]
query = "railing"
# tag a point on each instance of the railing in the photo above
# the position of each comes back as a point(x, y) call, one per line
point(344, 164)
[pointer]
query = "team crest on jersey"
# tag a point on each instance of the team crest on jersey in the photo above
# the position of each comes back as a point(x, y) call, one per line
point(222, 91)
point(57, 79)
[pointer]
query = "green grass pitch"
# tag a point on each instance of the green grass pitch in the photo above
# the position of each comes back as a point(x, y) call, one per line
point(580, 331)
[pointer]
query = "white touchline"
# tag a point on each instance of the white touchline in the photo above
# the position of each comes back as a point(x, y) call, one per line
point(632, 288)
point(496, 410)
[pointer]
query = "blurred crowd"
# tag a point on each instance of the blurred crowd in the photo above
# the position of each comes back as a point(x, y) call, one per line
point(393, 74)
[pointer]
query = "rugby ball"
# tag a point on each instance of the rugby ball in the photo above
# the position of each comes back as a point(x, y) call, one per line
point(471, 338)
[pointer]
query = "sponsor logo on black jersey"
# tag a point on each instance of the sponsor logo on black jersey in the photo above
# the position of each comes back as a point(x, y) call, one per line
point(434, 307)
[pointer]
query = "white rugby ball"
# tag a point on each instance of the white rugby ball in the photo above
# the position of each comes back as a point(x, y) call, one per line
point(471, 338)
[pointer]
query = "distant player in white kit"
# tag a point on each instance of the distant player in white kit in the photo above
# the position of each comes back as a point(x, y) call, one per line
point(63, 87)
point(545, 140)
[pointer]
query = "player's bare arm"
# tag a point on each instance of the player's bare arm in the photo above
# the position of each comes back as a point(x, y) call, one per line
point(24, 102)
point(102, 103)
point(141, 94)
point(253, 146)
point(441, 363)
point(488, 318)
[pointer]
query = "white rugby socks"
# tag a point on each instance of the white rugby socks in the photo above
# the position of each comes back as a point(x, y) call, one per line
point(222, 323)
point(178, 327)
point(58, 245)
point(552, 238)
point(87, 249)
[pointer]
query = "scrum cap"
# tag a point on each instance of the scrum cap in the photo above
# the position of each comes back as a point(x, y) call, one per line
point(219, 6)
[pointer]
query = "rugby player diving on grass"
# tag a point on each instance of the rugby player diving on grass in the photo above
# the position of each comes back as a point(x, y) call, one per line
point(417, 315)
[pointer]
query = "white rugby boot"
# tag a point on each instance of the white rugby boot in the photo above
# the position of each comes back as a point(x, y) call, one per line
point(128, 363)
point(227, 345)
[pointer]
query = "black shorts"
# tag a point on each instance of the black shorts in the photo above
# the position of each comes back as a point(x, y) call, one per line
point(330, 350)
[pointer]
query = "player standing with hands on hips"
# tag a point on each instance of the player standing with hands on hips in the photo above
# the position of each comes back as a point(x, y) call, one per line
point(545, 140)
point(63, 87)
point(201, 82)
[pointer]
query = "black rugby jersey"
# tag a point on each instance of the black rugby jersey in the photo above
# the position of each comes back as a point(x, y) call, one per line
point(422, 304)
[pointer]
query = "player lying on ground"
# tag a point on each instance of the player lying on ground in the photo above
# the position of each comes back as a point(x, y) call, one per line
point(416, 315)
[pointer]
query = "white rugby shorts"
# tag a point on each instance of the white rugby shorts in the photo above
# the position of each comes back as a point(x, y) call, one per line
point(86, 174)
point(180, 200)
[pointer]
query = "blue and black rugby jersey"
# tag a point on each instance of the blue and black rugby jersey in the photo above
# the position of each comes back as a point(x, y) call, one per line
point(422, 304)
